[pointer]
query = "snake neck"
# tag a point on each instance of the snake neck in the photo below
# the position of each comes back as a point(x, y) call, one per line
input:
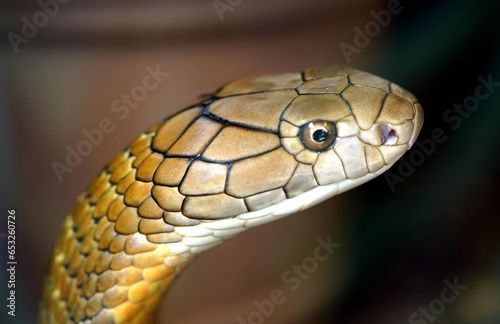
point(106, 277)
point(109, 264)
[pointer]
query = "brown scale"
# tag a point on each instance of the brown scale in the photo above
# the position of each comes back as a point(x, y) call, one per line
point(241, 150)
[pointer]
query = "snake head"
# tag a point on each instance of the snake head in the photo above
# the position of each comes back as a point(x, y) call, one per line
point(350, 124)
point(261, 141)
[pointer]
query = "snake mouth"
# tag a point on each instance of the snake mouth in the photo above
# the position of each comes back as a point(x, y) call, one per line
point(389, 135)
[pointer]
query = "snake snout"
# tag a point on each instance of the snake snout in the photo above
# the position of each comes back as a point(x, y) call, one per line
point(388, 134)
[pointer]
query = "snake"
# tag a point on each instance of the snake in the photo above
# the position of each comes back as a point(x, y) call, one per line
point(253, 151)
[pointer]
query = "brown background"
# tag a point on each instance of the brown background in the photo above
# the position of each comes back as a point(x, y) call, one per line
point(397, 248)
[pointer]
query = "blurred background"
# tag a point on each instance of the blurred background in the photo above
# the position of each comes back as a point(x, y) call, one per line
point(400, 239)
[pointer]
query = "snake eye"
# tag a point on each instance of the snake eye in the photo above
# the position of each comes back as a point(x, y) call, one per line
point(318, 135)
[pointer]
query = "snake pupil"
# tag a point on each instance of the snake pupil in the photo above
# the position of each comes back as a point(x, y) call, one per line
point(320, 135)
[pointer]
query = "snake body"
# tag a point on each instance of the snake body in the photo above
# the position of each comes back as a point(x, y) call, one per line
point(253, 151)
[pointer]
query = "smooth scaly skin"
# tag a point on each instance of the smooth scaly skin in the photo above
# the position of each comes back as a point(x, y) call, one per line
point(233, 161)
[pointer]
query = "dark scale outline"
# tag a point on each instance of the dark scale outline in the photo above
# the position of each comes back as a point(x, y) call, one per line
point(219, 89)
point(366, 85)
point(159, 219)
point(167, 155)
point(153, 149)
point(287, 195)
point(226, 122)
point(246, 203)
point(390, 91)
point(303, 76)
point(257, 193)
point(216, 118)
point(282, 119)
point(202, 158)
point(283, 112)
point(390, 86)
point(168, 211)
point(217, 97)
point(382, 104)
point(349, 104)
point(210, 219)
point(345, 100)
point(304, 95)
point(293, 173)
point(107, 169)
point(206, 194)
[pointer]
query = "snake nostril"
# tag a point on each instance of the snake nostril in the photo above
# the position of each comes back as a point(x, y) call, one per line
point(389, 135)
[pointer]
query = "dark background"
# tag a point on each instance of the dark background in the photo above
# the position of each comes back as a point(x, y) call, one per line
point(397, 246)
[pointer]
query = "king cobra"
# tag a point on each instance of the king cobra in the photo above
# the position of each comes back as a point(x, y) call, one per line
point(251, 152)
